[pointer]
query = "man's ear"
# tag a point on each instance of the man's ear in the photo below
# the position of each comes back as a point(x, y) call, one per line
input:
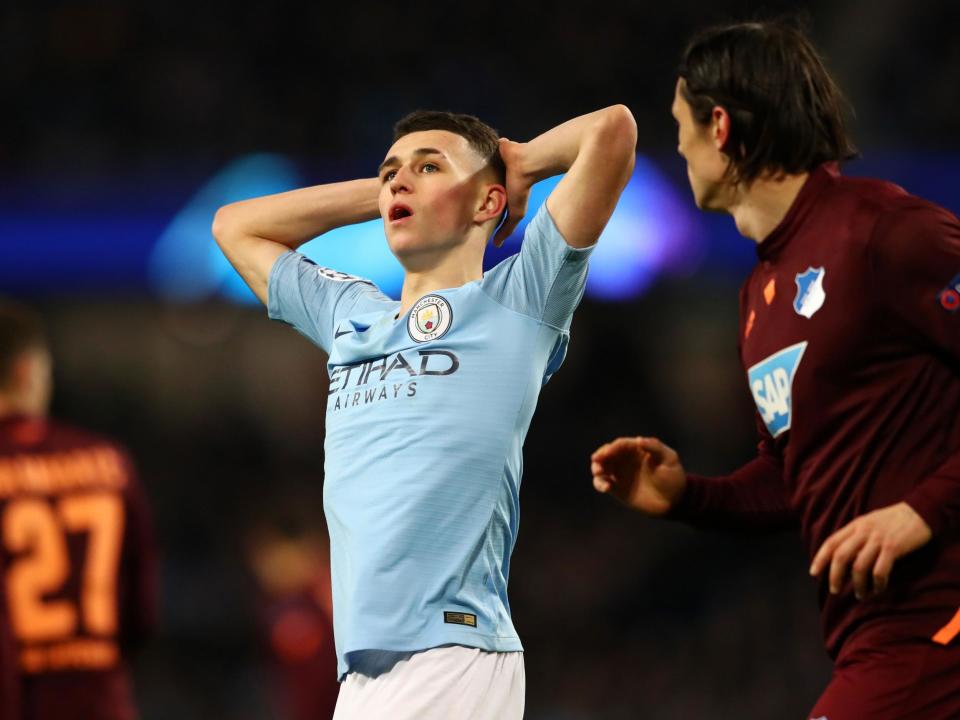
point(720, 127)
point(493, 203)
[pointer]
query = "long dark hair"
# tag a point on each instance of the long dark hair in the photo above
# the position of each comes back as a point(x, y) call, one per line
point(786, 112)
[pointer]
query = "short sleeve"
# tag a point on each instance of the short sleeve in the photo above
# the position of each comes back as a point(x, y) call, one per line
point(312, 298)
point(915, 263)
point(546, 279)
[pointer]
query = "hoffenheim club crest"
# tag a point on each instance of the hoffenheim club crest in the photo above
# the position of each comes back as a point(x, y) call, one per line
point(810, 292)
point(429, 319)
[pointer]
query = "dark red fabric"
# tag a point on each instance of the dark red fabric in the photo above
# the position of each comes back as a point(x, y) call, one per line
point(875, 398)
point(892, 673)
point(9, 672)
point(65, 693)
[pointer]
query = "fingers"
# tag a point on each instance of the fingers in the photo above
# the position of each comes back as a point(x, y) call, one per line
point(882, 569)
point(863, 568)
point(842, 557)
point(613, 448)
point(506, 229)
point(602, 483)
point(825, 553)
point(659, 452)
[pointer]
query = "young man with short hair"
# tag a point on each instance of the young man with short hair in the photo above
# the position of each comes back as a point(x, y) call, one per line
point(850, 340)
point(430, 397)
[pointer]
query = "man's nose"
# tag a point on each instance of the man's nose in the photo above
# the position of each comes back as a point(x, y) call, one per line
point(401, 181)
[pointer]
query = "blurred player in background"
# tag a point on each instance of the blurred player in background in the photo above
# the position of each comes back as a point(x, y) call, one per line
point(850, 339)
point(9, 671)
point(289, 555)
point(430, 397)
point(75, 541)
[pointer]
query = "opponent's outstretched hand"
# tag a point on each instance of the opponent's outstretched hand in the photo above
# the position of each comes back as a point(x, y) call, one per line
point(519, 183)
point(871, 544)
point(642, 473)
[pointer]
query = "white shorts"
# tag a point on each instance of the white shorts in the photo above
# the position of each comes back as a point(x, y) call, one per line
point(445, 683)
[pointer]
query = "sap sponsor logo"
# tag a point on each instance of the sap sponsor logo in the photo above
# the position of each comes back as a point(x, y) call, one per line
point(429, 319)
point(810, 292)
point(949, 297)
point(771, 382)
point(386, 377)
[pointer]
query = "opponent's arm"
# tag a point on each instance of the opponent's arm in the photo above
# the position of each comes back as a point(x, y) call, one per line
point(915, 263)
point(254, 233)
point(646, 475)
point(597, 152)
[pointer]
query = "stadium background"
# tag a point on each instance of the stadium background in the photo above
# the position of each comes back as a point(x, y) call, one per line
point(126, 124)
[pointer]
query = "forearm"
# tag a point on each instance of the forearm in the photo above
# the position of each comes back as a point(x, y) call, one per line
point(292, 218)
point(254, 233)
point(555, 151)
point(751, 498)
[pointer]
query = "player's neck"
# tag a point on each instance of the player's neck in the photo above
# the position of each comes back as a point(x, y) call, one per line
point(449, 271)
point(13, 406)
point(761, 207)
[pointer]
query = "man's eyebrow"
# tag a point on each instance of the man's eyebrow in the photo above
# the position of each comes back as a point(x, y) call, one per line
point(419, 152)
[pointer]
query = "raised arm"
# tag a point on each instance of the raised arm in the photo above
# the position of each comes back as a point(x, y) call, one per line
point(254, 233)
point(597, 152)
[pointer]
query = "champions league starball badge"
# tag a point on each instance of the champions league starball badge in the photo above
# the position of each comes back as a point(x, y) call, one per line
point(429, 319)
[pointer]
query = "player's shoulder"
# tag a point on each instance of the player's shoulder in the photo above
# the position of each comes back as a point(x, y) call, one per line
point(56, 435)
point(887, 203)
point(883, 213)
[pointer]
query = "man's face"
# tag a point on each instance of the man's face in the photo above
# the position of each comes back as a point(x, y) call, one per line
point(432, 185)
point(706, 163)
point(31, 382)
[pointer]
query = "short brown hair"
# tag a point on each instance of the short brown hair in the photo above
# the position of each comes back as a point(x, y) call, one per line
point(482, 138)
point(786, 112)
point(20, 332)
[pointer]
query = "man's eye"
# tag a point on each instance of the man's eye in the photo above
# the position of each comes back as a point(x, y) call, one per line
point(389, 175)
point(429, 167)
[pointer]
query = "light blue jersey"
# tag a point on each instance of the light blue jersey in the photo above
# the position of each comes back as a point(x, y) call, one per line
point(426, 418)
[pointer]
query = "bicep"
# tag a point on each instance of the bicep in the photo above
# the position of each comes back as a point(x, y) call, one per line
point(585, 198)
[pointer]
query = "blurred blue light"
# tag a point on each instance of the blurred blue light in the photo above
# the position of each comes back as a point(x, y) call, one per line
point(122, 236)
point(186, 263)
point(652, 231)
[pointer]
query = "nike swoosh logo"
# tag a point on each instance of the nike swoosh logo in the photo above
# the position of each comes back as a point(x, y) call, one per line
point(341, 332)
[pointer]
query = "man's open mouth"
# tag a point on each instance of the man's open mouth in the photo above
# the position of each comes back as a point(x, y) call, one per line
point(398, 212)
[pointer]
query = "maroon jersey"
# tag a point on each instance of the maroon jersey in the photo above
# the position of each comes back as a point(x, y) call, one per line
point(9, 671)
point(78, 552)
point(850, 338)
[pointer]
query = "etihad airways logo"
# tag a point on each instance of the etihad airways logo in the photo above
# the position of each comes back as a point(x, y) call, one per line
point(386, 377)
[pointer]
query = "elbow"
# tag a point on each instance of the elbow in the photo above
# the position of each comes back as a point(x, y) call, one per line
point(617, 131)
point(224, 224)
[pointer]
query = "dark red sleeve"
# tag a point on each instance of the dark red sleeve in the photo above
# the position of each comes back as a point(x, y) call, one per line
point(752, 498)
point(139, 568)
point(915, 261)
point(9, 670)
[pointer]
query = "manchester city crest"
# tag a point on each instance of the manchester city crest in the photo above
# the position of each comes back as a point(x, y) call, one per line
point(810, 292)
point(430, 318)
